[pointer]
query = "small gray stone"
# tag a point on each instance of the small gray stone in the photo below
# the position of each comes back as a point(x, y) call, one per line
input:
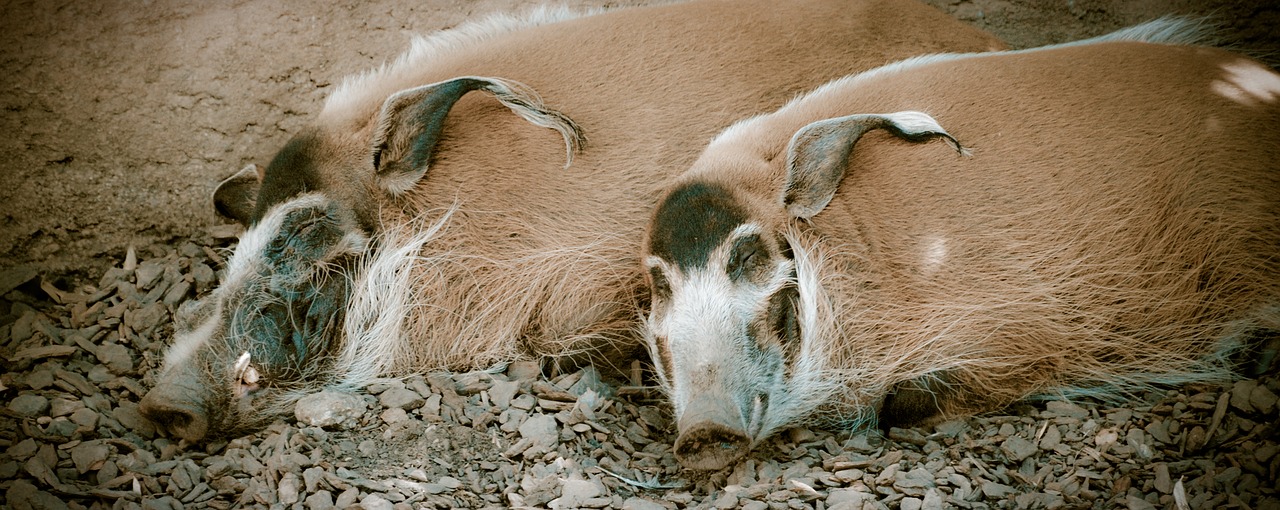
point(100, 374)
point(320, 500)
point(40, 466)
point(471, 383)
point(1266, 452)
point(162, 503)
point(916, 478)
point(574, 492)
point(62, 406)
point(89, 455)
point(450, 482)
point(394, 415)
point(23, 494)
point(203, 276)
point(1157, 430)
point(1052, 438)
point(1017, 448)
point(951, 428)
point(29, 405)
point(932, 500)
point(147, 317)
point(996, 490)
point(726, 501)
point(502, 392)
point(116, 357)
point(525, 370)
point(61, 427)
point(909, 503)
point(377, 386)
point(432, 405)
point(347, 498)
point(1262, 399)
point(1228, 476)
point(1163, 482)
point(39, 379)
point(1064, 408)
point(376, 502)
point(149, 273)
point(403, 398)
point(541, 429)
point(433, 488)
point(1137, 503)
point(524, 402)
point(329, 409)
point(1242, 393)
point(23, 449)
point(23, 328)
point(591, 380)
point(311, 479)
point(176, 293)
point(85, 417)
point(639, 503)
point(851, 497)
point(287, 488)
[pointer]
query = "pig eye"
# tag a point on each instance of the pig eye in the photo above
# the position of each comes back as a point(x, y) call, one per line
point(747, 257)
point(660, 287)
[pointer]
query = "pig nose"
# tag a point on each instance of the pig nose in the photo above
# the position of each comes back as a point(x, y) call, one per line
point(709, 445)
point(174, 409)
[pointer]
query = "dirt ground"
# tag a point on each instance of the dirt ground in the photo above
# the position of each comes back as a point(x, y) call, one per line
point(121, 115)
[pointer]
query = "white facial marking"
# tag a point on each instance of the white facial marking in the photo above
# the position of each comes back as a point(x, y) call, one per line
point(707, 327)
point(186, 344)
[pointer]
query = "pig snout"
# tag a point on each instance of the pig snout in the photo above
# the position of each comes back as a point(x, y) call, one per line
point(178, 410)
point(712, 434)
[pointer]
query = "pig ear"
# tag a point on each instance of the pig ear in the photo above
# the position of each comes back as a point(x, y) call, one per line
point(410, 124)
point(819, 153)
point(235, 196)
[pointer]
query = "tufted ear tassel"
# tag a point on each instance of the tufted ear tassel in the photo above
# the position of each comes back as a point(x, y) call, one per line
point(410, 123)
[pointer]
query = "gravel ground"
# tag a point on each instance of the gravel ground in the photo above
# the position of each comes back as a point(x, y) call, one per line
point(77, 361)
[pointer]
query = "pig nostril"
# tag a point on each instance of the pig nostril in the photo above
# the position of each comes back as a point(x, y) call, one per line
point(171, 418)
point(709, 446)
point(179, 420)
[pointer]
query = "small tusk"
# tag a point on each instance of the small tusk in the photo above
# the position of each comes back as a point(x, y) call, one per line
point(250, 376)
point(241, 364)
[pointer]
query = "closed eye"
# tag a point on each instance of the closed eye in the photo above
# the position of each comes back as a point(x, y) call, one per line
point(748, 254)
point(658, 283)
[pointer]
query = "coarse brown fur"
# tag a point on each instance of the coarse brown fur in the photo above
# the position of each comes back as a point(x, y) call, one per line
point(496, 249)
point(540, 259)
point(1116, 226)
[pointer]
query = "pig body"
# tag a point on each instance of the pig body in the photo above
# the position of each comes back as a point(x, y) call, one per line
point(443, 212)
point(1114, 226)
